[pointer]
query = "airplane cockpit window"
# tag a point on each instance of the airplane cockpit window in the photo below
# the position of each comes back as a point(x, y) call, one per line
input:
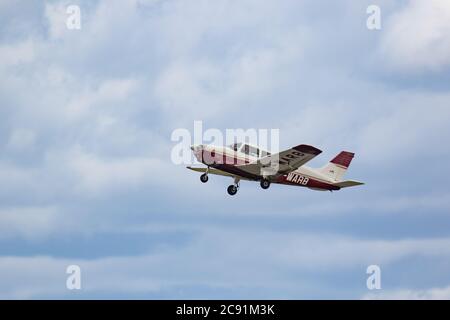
point(235, 146)
point(251, 151)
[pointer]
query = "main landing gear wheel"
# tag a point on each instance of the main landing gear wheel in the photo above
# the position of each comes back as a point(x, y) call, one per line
point(204, 178)
point(265, 184)
point(232, 190)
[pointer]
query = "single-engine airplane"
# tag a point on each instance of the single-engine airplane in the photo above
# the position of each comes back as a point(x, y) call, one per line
point(242, 161)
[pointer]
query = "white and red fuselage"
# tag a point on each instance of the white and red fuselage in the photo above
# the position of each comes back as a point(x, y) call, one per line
point(243, 162)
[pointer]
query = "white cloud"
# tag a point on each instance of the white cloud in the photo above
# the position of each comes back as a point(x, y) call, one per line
point(56, 16)
point(217, 258)
point(207, 89)
point(29, 222)
point(19, 53)
point(21, 139)
point(18, 180)
point(418, 37)
point(99, 176)
point(95, 112)
point(411, 294)
point(410, 125)
point(110, 91)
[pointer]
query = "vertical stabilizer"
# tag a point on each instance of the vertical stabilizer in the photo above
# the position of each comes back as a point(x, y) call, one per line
point(336, 168)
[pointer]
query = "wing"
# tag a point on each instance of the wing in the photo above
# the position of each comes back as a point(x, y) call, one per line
point(217, 172)
point(283, 162)
point(210, 171)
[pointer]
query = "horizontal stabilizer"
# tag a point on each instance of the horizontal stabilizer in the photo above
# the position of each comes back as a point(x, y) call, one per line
point(347, 183)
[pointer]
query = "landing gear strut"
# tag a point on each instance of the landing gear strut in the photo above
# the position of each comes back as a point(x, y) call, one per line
point(265, 184)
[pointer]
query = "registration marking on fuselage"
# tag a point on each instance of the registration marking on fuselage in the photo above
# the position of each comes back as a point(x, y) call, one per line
point(297, 178)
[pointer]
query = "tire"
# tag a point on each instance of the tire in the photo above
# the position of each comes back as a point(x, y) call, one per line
point(265, 184)
point(204, 178)
point(232, 190)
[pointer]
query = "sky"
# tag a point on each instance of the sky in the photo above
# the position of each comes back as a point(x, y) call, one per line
point(86, 176)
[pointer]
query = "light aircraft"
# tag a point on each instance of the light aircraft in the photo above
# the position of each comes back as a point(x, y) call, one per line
point(242, 161)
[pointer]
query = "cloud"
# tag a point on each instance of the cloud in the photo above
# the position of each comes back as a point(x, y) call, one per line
point(248, 259)
point(99, 176)
point(20, 53)
point(110, 91)
point(216, 85)
point(21, 139)
point(57, 16)
point(29, 222)
point(407, 129)
point(86, 119)
point(411, 294)
point(417, 38)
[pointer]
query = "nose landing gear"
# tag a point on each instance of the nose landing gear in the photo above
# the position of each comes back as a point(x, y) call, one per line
point(204, 178)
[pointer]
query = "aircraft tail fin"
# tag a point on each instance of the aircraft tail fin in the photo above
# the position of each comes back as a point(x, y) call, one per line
point(336, 168)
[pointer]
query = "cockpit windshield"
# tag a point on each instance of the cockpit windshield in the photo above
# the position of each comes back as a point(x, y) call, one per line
point(249, 150)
